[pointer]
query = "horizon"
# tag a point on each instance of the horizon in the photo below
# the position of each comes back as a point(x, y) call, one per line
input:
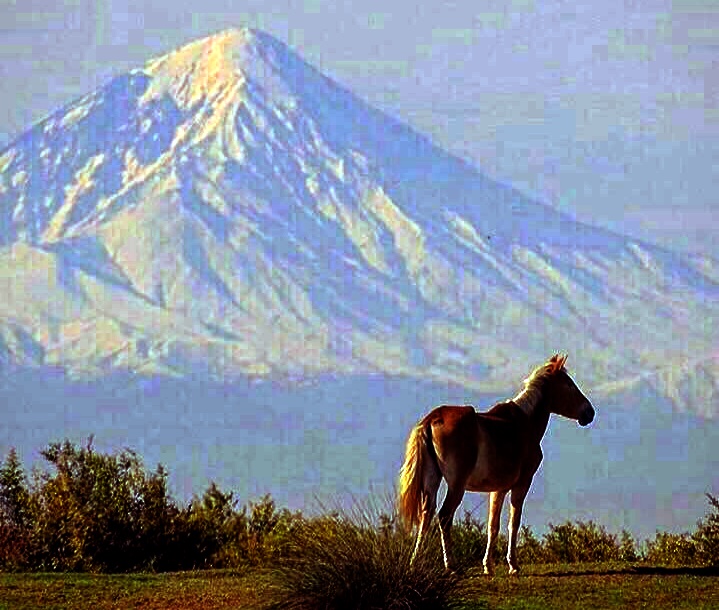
point(262, 439)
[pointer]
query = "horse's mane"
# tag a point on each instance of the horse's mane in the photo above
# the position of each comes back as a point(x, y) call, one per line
point(530, 395)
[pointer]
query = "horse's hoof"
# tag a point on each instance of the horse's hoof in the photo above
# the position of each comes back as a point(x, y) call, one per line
point(514, 572)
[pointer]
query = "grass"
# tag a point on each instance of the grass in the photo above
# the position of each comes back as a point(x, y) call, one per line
point(540, 587)
point(593, 586)
point(221, 589)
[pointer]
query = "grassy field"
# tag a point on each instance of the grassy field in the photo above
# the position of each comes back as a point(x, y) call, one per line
point(547, 586)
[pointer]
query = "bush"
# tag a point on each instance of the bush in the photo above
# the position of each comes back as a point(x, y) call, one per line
point(529, 549)
point(706, 538)
point(469, 542)
point(199, 531)
point(628, 548)
point(671, 549)
point(14, 495)
point(260, 535)
point(98, 512)
point(271, 532)
point(581, 542)
point(105, 513)
point(701, 547)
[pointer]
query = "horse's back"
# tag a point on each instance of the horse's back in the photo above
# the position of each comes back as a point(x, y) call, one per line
point(449, 414)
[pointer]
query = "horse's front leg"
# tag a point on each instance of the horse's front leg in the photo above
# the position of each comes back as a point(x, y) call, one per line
point(496, 499)
point(515, 517)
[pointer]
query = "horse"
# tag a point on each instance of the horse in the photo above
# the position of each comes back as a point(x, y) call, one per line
point(497, 451)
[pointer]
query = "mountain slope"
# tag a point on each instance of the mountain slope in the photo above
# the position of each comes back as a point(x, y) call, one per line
point(228, 211)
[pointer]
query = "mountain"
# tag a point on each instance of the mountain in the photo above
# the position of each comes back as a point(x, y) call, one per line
point(229, 210)
point(228, 216)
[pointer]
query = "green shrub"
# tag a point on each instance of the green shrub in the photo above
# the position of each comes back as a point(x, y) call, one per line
point(671, 549)
point(706, 538)
point(258, 535)
point(469, 542)
point(701, 547)
point(529, 549)
point(270, 532)
point(156, 526)
point(97, 512)
point(103, 512)
point(584, 541)
point(628, 548)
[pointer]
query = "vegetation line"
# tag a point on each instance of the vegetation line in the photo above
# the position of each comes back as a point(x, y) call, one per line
point(98, 512)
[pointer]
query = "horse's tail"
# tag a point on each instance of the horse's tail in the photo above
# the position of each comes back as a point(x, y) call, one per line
point(419, 456)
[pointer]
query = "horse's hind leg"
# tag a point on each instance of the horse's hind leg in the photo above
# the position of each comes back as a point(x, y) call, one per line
point(446, 514)
point(430, 487)
point(429, 505)
point(496, 499)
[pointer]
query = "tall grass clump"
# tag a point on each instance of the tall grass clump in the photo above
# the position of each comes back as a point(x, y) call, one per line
point(359, 560)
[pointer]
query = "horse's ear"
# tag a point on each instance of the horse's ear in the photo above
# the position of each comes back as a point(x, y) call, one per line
point(556, 362)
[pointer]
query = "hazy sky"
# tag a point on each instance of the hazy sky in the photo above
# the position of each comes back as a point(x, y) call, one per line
point(608, 110)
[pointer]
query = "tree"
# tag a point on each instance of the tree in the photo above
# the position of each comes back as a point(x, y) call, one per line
point(15, 514)
point(14, 495)
point(101, 512)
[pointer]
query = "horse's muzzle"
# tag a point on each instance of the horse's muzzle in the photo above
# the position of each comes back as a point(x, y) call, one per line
point(586, 417)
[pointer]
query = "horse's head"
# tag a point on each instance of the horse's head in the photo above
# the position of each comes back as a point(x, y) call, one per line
point(561, 394)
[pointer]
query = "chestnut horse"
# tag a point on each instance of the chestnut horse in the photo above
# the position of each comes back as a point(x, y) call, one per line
point(497, 452)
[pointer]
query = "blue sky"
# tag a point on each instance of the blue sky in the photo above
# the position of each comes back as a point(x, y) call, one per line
point(607, 110)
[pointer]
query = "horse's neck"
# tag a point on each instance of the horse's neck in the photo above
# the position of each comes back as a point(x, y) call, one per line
point(529, 400)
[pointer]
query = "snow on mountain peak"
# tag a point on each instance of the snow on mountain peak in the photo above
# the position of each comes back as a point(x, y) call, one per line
point(201, 69)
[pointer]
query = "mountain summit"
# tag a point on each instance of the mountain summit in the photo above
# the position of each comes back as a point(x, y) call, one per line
point(228, 211)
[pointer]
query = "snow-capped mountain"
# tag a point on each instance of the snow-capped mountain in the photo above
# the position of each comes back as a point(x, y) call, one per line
point(229, 212)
